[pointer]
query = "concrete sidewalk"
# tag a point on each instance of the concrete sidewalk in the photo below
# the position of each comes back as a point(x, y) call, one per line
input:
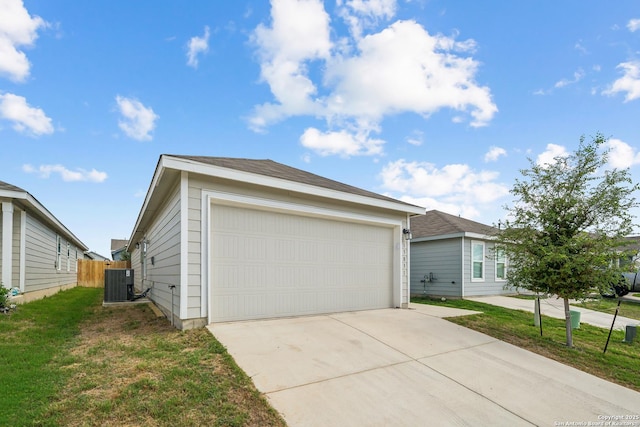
point(554, 307)
point(397, 367)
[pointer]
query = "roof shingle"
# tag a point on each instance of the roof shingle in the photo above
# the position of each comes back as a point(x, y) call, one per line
point(273, 169)
point(436, 223)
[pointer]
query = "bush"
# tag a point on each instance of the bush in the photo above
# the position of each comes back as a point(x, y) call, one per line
point(4, 298)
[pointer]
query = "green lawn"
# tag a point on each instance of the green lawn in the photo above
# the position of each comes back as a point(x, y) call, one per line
point(66, 360)
point(620, 364)
point(606, 305)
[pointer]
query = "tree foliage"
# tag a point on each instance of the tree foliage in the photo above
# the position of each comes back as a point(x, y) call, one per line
point(567, 225)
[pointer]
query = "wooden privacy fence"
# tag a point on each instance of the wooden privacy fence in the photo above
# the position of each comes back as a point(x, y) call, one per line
point(91, 273)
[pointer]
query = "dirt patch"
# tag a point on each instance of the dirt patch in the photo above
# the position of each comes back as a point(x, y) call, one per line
point(131, 368)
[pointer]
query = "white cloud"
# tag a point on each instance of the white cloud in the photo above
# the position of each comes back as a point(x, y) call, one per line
point(67, 175)
point(342, 143)
point(494, 154)
point(17, 29)
point(26, 119)
point(196, 46)
point(360, 14)
point(416, 138)
point(633, 25)
point(621, 154)
point(451, 185)
point(359, 81)
point(405, 69)
point(577, 76)
point(549, 155)
point(629, 82)
point(299, 33)
point(137, 120)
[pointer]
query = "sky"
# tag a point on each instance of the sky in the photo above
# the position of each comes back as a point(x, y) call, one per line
point(437, 103)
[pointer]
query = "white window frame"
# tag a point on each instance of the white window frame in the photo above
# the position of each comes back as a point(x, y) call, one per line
point(504, 261)
point(68, 257)
point(143, 258)
point(58, 252)
point(473, 260)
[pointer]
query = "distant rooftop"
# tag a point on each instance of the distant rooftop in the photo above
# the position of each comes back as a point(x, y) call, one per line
point(436, 223)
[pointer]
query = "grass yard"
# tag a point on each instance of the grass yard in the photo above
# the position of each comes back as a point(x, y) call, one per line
point(66, 360)
point(627, 309)
point(620, 364)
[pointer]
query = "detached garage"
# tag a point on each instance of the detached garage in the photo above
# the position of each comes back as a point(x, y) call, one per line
point(221, 239)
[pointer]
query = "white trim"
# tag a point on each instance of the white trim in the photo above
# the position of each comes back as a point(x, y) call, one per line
point(213, 197)
point(462, 264)
point(44, 212)
point(184, 244)
point(283, 184)
point(7, 244)
point(478, 242)
point(232, 199)
point(205, 262)
point(452, 236)
point(23, 249)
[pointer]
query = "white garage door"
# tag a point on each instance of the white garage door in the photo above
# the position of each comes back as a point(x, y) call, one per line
point(272, 264)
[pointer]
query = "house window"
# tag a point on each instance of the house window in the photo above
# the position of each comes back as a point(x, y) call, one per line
point(58, 253)
point(501, 264)
point(477, 261)
point(68, 257)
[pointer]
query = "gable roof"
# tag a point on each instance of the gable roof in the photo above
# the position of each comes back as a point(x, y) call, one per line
point(27, 201)
point(435, 223)
point(117, 244)
point(10, 187)
point(273, 169)
point(264, 173)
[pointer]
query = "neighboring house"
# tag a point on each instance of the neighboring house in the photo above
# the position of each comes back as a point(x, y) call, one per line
point(118, 247)
point(455, 257)
point(38, 254)
point(631, 259)
point(94, 256)
point(222, 239)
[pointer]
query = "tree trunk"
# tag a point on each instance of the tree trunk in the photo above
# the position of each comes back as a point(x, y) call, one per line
point(567, 322)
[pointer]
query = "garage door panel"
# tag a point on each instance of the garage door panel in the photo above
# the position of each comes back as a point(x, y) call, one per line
point(273, 264)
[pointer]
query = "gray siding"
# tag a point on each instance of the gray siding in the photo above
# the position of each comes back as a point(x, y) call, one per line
point(163, 237)
point(489, 286)
point(443, 259)
point(40, 258)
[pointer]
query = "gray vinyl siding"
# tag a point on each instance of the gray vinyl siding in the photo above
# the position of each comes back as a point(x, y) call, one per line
point(40, 258)
point(443, 259)
point(163, 238)
point(194, 244)
point(489, 286)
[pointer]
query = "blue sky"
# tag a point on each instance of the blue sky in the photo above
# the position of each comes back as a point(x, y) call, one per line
point(437, 103)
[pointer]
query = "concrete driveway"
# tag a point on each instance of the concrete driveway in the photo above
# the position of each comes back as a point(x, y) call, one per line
point(411, 368)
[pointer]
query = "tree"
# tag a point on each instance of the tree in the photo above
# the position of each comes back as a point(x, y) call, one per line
point(567, 225)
